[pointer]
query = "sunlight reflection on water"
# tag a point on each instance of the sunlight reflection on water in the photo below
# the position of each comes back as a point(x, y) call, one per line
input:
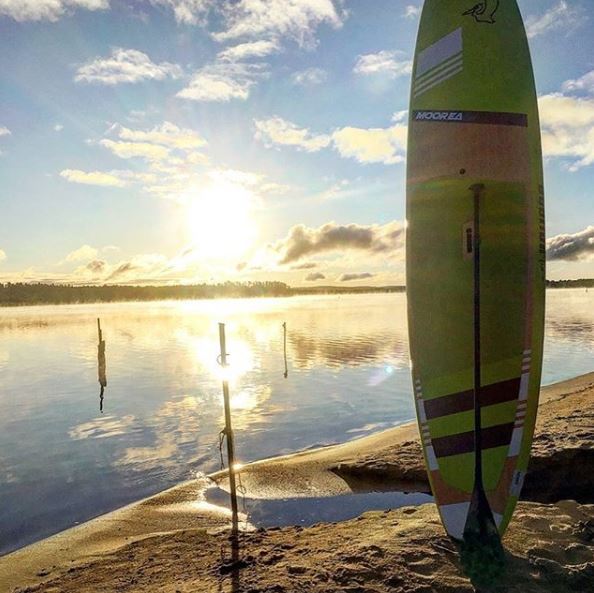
point(62, 460)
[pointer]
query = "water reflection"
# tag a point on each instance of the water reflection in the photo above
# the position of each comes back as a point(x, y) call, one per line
point(102, 428)
point(305, 512)
point(286, 373)
point(573, 329)
point(171, 434)
point(310, 351)
point(569, 334)
point(101, 364)
point(303, 371)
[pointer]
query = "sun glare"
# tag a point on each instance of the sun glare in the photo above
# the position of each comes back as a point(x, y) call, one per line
point(206, 352)
point(220, 220)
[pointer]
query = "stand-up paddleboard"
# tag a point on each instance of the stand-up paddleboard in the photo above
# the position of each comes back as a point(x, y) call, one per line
point(475, 255)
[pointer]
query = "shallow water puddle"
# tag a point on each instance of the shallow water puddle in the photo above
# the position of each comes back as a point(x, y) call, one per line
point(308, 511)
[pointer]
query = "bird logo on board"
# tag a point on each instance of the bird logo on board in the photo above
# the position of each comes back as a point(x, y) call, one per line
point(484, 12)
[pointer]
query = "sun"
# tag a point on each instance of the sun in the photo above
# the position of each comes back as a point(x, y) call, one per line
point(220, 220)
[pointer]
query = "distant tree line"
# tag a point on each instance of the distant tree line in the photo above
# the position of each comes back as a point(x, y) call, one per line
point(346, 289)
point(57, 294)
point(13, 294)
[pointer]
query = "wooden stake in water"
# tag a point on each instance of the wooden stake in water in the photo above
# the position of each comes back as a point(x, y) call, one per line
point(229, 432)
point(101, 364)
point(285, 347)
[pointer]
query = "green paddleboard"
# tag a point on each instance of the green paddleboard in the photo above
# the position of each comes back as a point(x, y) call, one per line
point(474, 147)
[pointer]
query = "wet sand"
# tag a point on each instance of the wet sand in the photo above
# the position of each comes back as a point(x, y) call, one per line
point(175, 542)
point(562, 463)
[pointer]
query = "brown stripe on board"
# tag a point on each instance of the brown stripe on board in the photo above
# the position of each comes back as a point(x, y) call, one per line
point(457, 444)
point(449, 404)
point(497, 393)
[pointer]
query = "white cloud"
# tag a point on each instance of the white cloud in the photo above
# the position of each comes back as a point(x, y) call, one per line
point(411, 11)
point(583, 83)
point(558, 110)
point(128, 150)
point(366, 145)
point(568, 128)
point(579, 246)
point(58, 128)
point(48, 10)
point(125, 66)
point(253, 49)
point(170, 152)
point(82, 254)
point(355, 277)
point(340, 189)
point(263, 23)
point(374, 145)
point(188, 12)
point(140, 266)
point(170, 167)
point(277, 131)
point(223, 81)
point(92, 178)
point(376, 240)
point(309, 77)
point(2, 255)
point(167, 134)
point(560, 16)
point(391, 62)
point(153, 268)
point(314, 277)
point(296, 19)
point(182, 184)
point(139, 115)
point(4, 131)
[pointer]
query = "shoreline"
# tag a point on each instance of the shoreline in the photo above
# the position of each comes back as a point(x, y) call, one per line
point(393, 458)
point(296, 291)
point(562, 467)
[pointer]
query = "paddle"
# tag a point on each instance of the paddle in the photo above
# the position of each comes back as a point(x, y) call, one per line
point(482, 554)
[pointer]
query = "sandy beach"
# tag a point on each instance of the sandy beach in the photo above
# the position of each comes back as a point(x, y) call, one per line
point(561, 465)
point(177, 542)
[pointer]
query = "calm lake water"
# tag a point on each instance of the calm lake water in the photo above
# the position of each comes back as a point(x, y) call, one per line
point(63, 461)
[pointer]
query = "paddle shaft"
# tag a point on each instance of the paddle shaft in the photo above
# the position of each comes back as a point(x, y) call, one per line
point(478, 445)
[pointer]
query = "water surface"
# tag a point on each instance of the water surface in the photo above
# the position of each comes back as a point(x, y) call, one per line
point(64, 460)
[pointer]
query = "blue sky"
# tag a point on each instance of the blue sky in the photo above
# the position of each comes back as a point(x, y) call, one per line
point(199, 140)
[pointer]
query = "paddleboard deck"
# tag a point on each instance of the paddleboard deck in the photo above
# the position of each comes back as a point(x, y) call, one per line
point(473, 121)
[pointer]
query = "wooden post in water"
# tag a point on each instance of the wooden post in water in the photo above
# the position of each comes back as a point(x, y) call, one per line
point(229, 432)
point(285, 347)
point(101, 364)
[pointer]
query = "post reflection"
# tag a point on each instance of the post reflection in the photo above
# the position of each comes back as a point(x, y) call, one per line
point(231, 558)
point(286, 373)
point(101, 365)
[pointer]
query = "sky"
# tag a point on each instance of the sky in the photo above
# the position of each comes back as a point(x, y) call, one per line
point(183, 141)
